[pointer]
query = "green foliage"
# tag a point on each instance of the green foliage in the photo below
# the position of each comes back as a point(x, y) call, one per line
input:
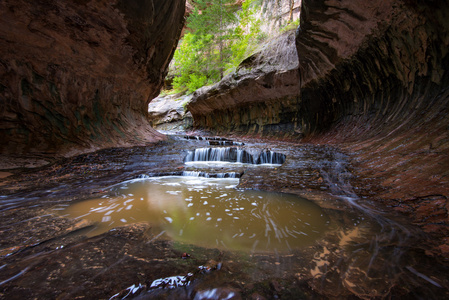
point(196, 81)
point(202, 54)
point(219, 38)
point(290, 26)
point(248, 34)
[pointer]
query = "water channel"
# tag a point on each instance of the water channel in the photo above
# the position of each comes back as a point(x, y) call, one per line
point(206, 218)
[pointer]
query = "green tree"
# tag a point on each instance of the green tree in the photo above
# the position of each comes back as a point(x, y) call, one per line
point(190, 66)
point(220, 35)
point(248, 35)
point(204, 51)
point(215, 18)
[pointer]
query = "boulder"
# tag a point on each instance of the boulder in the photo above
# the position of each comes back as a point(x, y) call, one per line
point(169, 112)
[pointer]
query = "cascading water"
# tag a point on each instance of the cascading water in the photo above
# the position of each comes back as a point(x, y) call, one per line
point(233, 154)
point(244, 157)
point(270, 157)
point(192, 174)
point(334, 246)
point(209, 154)
point(225, 143)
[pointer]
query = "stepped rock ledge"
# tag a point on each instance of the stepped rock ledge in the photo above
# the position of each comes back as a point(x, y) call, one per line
point(369, 76)
point(373, 78)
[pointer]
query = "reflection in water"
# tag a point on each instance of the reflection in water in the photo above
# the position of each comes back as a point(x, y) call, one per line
point(208, 212)
point(374, 255)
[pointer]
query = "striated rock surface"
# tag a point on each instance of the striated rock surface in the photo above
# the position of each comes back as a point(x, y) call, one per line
point(78, 75)
point(276, 14)
point(374, 80)
point(382, 61)
point(278, 56)
point(384, 97)
point(260, 96)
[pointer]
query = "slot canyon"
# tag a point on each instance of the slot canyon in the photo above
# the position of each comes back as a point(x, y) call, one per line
point(319, 169)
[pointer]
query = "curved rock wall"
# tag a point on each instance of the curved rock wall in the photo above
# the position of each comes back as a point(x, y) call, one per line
point(77, 75)
point(373, 60)
point(386, 101)
point(387, 66)
point(373, 79)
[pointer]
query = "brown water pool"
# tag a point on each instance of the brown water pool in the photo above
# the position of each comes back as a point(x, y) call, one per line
point(209, 212)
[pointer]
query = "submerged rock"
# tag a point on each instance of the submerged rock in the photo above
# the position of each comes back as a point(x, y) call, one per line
point(380, 88)
point(44, 254)
point(218, 293)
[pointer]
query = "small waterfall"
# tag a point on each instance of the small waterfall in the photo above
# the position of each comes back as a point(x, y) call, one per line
point(270, 157)
point(214, 141)
point(233, 154)
point(229, 175)
point(212, 154)
point(219, 154)
point(194, 174)
point(143, 176)
point(191, 174)
point(193, 137)
point(239, 155)
point(244, 157)
point(201, 154)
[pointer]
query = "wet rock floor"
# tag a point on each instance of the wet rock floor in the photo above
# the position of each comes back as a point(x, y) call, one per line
point(368, 253)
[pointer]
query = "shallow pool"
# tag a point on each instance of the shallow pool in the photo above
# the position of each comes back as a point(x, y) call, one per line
point(209, 212)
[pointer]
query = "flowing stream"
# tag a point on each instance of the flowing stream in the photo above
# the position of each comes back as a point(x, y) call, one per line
point(248, 218)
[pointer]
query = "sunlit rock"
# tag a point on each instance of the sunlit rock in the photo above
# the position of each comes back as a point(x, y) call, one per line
point(277, 13)
point(368, 66)
point(260, 96)
point(168, 112)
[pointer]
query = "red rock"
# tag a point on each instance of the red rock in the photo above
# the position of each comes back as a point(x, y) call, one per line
point(77, 75)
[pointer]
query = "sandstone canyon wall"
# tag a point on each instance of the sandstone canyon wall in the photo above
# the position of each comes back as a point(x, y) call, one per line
point(78, 75)
point(382, 64)
point(278, 13)
point(382, 60)
point(260, 96)
point(373, 78)
point(381, 90)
